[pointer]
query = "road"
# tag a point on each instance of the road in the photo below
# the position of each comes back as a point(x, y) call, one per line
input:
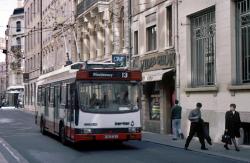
point(21, 141)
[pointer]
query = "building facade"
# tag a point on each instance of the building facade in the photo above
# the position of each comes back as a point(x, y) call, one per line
point(102, 29)
point(33, 46)
point(59, 34)
point(214, 61)
point(153, 49)
point(15, 46)
point(2, 80)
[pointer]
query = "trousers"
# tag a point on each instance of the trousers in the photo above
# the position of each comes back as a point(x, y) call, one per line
point(196, 127)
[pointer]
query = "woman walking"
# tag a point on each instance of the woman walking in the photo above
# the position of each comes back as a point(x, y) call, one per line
point(232, 126)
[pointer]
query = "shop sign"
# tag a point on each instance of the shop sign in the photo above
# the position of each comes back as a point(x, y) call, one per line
point(155, 61)
point(158, 61)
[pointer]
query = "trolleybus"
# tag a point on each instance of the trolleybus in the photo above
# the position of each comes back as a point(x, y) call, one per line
point(90, 102)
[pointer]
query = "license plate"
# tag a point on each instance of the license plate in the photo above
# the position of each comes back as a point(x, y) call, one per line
point(111, 136)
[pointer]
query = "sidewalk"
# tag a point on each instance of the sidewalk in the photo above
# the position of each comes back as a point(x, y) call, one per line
point(2, 159)
point(216, 149)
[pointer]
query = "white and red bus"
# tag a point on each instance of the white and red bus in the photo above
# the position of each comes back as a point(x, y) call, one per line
point(90, 102)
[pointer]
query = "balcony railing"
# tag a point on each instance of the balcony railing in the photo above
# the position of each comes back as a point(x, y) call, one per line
point(86, 4)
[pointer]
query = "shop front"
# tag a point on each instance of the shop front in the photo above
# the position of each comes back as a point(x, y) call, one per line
point(158, 85)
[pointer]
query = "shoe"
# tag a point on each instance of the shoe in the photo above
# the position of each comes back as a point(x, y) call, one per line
point(237, 149)
point(226, 147)
point(186, 148)
point(174, 139)
point(204, 148)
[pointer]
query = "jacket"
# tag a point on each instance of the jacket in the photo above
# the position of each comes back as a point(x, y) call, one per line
point(195, 115)
point(176, 112)
point(233, 123)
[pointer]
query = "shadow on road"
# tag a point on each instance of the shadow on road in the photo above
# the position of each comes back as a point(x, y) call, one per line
point(103, 146)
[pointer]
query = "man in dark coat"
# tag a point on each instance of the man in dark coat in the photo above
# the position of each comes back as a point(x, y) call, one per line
point(232, 125)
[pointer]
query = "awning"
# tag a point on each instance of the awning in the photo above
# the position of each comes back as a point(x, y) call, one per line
point(154, 75)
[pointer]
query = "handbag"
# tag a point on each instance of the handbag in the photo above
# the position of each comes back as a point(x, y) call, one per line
point(226, 138)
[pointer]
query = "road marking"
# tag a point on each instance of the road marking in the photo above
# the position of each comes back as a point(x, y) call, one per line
point(2, 159)
point(13, 152)
point(6, 120)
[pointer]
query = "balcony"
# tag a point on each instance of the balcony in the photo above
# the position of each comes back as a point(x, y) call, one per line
point(86, 4)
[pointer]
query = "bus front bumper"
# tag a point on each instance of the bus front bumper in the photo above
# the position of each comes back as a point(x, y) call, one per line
point(108, 137)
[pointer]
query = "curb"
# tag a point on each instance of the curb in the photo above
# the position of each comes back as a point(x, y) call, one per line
point(32, 112)
point(206, 152)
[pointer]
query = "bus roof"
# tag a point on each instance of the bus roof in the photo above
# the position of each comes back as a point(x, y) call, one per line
point(70, 71)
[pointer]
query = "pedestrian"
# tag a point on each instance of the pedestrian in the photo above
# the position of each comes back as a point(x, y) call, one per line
point(232, 126)
point(196, 127)
point(176, 121)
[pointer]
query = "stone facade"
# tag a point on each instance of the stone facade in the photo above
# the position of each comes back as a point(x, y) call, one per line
point(217, 95)
point(2, 80)
point(103, 29)
point(15, 46)
point(32, 10)
point(153, 31)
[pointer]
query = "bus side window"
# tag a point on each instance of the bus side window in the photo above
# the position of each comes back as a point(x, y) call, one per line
point(63, 95)
point(52, 92)
point(43, 97)
point(39, 93)
point(72, 101)
point(68, 97)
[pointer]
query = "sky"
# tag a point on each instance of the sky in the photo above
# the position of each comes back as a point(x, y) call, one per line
point(6, 9)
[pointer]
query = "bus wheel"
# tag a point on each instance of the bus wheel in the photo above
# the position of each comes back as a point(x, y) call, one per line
point(42, 127)
point(62, 135)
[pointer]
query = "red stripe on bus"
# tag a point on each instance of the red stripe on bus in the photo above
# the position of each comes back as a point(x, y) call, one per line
point(102, 137)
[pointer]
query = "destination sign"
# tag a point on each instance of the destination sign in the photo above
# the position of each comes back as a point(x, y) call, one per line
point(107, 74)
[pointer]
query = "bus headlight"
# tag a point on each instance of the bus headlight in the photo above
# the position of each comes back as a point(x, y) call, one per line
point(87, 131)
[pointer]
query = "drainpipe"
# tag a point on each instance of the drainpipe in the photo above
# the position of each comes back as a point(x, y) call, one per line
point(130, 32)
point(177, 78)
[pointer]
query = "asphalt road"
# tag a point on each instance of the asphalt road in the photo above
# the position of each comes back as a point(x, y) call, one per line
point(21, 141)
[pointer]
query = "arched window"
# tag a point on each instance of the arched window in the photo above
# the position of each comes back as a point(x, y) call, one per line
point(18, 26)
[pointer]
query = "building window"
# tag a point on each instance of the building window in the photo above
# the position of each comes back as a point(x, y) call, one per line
point(151, 38)
point(169, 26)
point(153, 96)
point(203, 48)
point(136, 42)
point(243, 41)
point(18, 26)
point(18, 41)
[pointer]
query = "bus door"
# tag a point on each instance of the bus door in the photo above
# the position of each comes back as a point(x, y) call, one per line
point(70, 110)
point(56, 109)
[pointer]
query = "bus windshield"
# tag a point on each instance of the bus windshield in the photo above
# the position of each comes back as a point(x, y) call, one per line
point(108, 97)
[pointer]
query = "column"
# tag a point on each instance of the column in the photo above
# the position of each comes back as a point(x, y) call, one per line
point(116, 32)
point(92, 39)
point(126, 27)
point(100, 45)
point(165, 111)
point(107, 40)
point(92, 45)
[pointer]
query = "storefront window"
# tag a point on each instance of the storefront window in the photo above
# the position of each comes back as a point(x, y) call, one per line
point(155, 107)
